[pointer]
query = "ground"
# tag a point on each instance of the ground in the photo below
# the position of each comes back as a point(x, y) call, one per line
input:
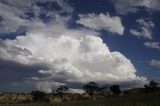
point(150, 99)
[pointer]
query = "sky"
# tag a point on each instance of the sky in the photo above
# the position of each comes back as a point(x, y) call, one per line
point(48, 43)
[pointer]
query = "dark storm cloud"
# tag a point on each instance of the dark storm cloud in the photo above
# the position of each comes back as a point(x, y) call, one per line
point(13, 75)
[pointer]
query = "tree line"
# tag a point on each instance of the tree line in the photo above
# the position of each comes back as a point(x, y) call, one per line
point(92, 89)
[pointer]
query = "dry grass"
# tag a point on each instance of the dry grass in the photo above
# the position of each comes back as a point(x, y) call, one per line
point(149, 99)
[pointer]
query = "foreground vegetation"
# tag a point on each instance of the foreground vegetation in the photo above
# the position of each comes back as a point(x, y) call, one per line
point(149, 99)
point(94, 96)
point(133, 99)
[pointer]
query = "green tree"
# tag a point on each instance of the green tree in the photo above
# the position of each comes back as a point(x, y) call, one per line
point(104, 89)
point(91, 88)
point(62, 89)
point(38, 96)
point(115, 89)
point(151, 86)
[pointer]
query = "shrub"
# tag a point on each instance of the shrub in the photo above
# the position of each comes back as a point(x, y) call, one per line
point(38, 96)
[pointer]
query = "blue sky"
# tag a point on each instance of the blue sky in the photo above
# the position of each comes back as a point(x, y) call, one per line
point(48, 43)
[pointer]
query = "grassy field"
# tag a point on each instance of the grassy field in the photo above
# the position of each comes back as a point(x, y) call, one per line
point(130, 100)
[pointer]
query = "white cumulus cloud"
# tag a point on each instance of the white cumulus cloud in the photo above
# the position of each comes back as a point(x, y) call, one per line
point(102, 22)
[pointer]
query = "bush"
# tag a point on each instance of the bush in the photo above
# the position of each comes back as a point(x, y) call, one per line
point(115, 89)
point(38, 96)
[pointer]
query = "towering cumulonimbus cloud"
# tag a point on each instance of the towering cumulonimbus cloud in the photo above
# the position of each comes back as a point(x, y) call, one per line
point(71, 56)
point(65, 55)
